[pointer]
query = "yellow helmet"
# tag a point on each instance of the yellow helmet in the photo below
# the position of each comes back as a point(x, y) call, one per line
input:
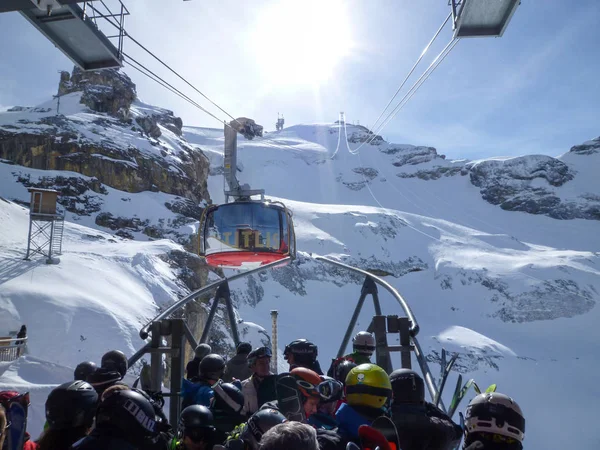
point(368, 385)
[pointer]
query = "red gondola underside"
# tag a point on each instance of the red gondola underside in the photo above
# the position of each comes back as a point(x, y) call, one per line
point(237, 259)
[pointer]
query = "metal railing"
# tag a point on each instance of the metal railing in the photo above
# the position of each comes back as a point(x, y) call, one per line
point(221, 286)
point(12, 348)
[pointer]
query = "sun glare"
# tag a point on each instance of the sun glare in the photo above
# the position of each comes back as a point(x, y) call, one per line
point(302, 42)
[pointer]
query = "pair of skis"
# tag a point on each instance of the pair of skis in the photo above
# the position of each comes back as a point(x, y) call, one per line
point(460, 391)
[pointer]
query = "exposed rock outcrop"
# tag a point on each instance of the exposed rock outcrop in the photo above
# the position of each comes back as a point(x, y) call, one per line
point(106, 91)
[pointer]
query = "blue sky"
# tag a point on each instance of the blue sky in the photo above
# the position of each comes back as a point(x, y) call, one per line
point(534, 90)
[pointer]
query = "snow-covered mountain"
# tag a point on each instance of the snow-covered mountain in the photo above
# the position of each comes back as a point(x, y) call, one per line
point(498, 258)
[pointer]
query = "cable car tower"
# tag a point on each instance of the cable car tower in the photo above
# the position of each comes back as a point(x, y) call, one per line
point(246, 233)
point(280, 122)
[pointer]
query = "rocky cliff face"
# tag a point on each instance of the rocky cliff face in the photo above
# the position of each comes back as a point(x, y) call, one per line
point(101, 130)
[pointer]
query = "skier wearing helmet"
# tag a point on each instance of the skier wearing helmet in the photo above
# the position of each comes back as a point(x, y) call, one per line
point(494, 421)
point(305, 389)
point(260, 387)
point(302, 353)
point(331, 393)
point(70, 411)
point(368, 393)
point(363, 346)
point(195, 430)
point(419, 424)
point(199, 391)
point(251, 432)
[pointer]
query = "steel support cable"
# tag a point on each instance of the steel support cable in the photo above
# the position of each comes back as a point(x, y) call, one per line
point(162, 62)
point(413, 68)
point(177, 74)
point(339, 138)
point(173, 87)
point(434, 64)
point(156, 80)
point(420, 82)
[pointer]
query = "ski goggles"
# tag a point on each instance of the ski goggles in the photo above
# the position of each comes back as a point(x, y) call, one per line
point(326, 390)
point(500, 413)
point(201, 434)
point(330, 390)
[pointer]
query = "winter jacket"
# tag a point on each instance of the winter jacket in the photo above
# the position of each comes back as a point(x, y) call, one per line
point(356, 358)
point(330, 440)
point(29, 444)
point(198, 393)
point(99, 440)
point(192, 369)
point(257, 392)
point(312, 365)
point(237, 367)
point(350, 418)
point(324, 421)
point(424, 427)
point(486, 441)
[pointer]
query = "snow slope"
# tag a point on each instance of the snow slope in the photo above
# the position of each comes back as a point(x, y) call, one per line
point(515, 293)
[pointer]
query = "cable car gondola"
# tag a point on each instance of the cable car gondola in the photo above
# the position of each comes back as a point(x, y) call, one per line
point(245, 233)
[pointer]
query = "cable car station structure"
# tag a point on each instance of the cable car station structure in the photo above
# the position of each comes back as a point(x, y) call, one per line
point(247, 233)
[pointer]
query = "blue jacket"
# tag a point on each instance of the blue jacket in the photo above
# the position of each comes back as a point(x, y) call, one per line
point(349, 420)
point(199, 393)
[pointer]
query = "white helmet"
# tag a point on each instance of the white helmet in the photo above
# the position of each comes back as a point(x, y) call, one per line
point(495, 413)
point(363, 343)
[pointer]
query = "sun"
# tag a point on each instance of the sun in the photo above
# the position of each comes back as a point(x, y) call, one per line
point(301, 42)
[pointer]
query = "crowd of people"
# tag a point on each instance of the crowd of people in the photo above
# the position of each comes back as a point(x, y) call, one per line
point(240, 404)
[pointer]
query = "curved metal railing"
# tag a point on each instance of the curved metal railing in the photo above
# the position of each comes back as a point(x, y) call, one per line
point(414, 328)
point(204, 290)
point(414, 325)
point(11, 348)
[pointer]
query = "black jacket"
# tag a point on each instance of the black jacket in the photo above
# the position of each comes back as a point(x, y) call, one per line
point(192, 369)
point(424, 427)
point(98, 440)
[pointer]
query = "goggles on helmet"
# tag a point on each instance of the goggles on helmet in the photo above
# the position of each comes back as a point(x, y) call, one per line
point(330, 389)
point(200, 434)
point(498, 412)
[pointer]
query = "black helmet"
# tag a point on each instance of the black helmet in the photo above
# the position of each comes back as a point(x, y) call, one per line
point(196, 421)
point(202, 350)
point(130, 414)
point(343, 369)
point(407, 386)
point(228, 399)
point(261, 352)
point(115, 360)
point(83, 369)
point(301, 347)
point(244, 347)
point(258, 424)
point(71, 405)
point(212, 367)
